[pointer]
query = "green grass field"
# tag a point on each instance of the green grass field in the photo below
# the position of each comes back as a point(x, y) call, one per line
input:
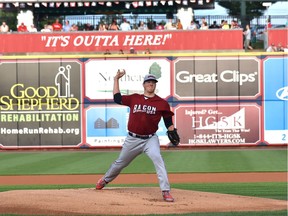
point(177, 161)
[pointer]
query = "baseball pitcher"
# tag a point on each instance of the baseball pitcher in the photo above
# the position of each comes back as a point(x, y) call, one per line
point(146, 111)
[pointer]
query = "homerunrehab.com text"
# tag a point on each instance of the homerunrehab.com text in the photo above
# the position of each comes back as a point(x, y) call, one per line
point(40, 130)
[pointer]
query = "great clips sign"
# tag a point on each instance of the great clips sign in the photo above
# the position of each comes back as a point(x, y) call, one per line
point(216, 77)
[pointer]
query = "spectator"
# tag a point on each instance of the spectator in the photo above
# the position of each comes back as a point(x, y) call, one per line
point(269, 25)
point(214, 25)
point(160, 26)
point(247, 35)
point(121, 52)
point(225, 25)
point(234, 24)
point(271, 48)
point(22, 28)
point(125, 26)
point(221, 24)
point(107, 52)
point(32, 28)
point(57, 26)
point(4, 27)
point(67, 26)
point(147, 51)
point(74, 27)
point(204, 26)
point(102, 27)
point(197, 23)
point(286, 48)
point(151, 25)
point(179, 24)
point(169, 25)
point(132, 51)
point(203, 20)
point(49, 26)
point(192, 25)
point(88, 27)
point(113, 26)
point(280, 48)
point(46, 29)
point(142, 26)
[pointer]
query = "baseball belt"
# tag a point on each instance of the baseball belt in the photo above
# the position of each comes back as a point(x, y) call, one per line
point(140, 136)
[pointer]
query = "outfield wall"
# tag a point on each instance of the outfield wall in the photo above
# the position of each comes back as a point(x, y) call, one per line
point(231, 99)
point(100, 41)
point(211, 40)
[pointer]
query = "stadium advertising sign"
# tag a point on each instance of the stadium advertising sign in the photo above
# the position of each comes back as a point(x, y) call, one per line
point(99, 76)
point(276, 100)
point(213, 125)
point(40, 104)
point(114, 41)
point(107, 126)
point(216, 78)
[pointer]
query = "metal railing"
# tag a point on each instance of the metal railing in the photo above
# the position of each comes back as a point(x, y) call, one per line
point(134, 20)
point(95, 20)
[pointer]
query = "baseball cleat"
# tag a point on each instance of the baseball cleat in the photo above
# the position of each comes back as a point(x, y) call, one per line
point(100, 184)
point(167, 196)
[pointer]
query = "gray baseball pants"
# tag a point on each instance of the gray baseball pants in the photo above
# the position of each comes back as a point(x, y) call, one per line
point(133, 147)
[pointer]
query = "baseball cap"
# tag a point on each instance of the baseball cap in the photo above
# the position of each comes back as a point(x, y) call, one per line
point(149, 77)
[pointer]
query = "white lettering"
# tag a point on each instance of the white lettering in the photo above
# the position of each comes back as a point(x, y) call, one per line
point(185, 77)
point(235, 76)
point(227, 76)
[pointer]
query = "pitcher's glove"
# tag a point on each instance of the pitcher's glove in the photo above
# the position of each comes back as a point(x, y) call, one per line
point(173, 137)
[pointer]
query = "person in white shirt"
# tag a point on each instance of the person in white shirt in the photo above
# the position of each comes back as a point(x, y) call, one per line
point(271, 48)
point(247, 35)
point(169, 25)
point(46, 29)
point(192, 25)
point(67, 26)
point(32, 28)
point(286, 48)
point(142, 26)
point(125, 26)
point(204, 26)
point(4, 27)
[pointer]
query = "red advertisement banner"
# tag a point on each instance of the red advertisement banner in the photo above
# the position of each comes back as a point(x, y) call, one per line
point(218, 125)
point(115, 41)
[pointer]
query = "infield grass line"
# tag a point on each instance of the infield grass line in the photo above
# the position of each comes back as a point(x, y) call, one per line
point(272, 190)
point(92, 162)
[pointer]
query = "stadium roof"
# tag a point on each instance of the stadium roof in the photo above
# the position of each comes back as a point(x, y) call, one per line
point(63, 7)
point(85, 7)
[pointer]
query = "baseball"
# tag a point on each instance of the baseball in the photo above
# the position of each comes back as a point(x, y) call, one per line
point(121, 72)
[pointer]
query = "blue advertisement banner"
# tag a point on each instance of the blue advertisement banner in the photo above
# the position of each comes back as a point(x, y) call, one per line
point(107, 126)
point(276, 100)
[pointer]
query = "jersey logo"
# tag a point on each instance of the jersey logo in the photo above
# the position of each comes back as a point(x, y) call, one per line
point(144, 109)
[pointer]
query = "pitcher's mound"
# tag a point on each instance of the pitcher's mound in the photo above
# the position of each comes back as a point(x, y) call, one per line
point(125, 201)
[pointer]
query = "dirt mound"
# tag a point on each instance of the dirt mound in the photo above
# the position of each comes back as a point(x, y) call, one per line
point(125, 201)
